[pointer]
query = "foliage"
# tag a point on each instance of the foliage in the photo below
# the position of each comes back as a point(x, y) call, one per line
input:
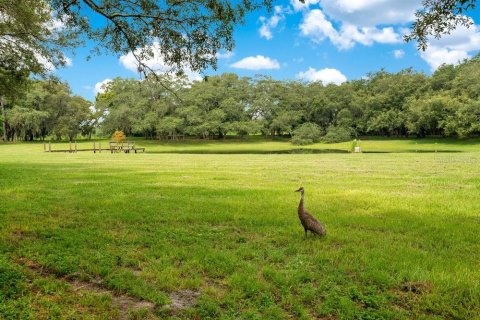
point(337, 134)
point(32, 39)
point(185, 34)
point(118, 136)
point(307, 133)
point(47, 108)
point(439, 17)
point(383, 104)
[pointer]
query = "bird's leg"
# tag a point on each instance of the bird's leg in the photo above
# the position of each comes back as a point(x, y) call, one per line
point(305, 232)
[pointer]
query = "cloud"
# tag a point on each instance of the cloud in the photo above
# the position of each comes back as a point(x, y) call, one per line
point(370, 13)
point(298, 6)
point(317, 27)
point(100, 87)
point(271, 23)
point(224, 55)
point(452, 48)
point(398, 54)
point(258, 62)
point(326, 75)
point(156, 63)
point(68, 61)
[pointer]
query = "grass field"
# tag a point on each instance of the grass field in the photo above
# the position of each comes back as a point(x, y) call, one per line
point(181, 234)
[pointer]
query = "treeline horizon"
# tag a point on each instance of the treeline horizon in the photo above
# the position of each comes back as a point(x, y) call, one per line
point(403, 104)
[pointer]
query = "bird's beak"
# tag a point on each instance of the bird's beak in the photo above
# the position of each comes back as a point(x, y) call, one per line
point(298, 190)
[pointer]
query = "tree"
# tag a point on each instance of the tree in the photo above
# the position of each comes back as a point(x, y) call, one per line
point(307, 133)
point(189, 32)
point(465, 122)
point(76, 113)
point(12, 84)
point(31, 42)
point(427, 115)
point(32, 39)
point(439, 17)
point(25, 122)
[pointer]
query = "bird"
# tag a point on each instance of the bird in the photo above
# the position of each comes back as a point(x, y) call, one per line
point(308, 221)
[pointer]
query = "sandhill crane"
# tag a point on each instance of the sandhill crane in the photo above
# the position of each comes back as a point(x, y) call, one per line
point(308, 221)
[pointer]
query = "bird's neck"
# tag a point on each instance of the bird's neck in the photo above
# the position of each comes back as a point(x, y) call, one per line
point(300, 205)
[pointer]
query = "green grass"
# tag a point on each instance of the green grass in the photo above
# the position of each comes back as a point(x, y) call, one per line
point(403, 231)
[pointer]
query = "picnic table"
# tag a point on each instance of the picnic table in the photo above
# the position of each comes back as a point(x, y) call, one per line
point(124, 146)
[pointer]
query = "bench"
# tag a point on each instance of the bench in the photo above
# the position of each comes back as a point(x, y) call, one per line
point(124, 147)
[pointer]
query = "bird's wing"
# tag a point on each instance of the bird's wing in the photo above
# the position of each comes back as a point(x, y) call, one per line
point(312, 222)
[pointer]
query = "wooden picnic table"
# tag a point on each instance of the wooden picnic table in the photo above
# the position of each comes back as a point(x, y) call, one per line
point(124, 146)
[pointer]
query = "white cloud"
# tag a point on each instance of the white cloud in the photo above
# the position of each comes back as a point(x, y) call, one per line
point(317, 27)
point(370, 13)
point(452, 48)
point(398, 54)
point(224, 55)
point(47, 64)
point(326, 75)
point(100, 87)
point(68, 61)
point(435, 57)
point(156, 63)
point(258, 62)
point(271, 23)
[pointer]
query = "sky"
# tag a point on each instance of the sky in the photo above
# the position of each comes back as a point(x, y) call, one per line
point(329, 40)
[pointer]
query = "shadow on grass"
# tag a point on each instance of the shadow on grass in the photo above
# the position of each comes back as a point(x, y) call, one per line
point(291, 151)
point(294, 151)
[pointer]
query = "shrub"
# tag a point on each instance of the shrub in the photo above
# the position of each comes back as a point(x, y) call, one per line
point(307, 133)
point(118, 136)
point(337, 134)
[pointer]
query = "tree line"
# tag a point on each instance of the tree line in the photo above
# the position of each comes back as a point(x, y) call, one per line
point(407, 103)
point(46, 108)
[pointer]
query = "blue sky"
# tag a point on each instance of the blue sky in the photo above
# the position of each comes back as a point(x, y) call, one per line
point(329, 40)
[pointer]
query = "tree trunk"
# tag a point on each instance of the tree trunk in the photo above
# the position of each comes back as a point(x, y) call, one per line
point(4, 137)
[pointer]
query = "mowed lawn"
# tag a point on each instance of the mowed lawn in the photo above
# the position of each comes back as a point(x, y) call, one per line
point(93, 236)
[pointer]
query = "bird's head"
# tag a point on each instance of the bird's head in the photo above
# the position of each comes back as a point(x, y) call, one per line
point(299, 190)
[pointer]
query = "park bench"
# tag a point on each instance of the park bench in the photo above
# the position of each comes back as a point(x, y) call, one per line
point(124, 146)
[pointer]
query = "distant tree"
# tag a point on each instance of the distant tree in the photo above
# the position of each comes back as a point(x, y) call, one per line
point(337, 134)
point(466, 78)
point(426, 115)
point(76, 113)
point(285, 122)
point(442, 78)
point(13, 83)
point(465, 121)
point(170, 126)
point(307, 133)
point(123, 105)
point(387, 123)
point(25, 122)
